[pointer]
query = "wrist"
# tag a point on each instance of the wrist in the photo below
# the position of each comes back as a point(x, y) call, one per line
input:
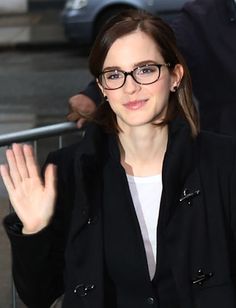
point(30, 230)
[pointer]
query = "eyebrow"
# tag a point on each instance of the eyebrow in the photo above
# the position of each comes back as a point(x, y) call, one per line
point(110, 68)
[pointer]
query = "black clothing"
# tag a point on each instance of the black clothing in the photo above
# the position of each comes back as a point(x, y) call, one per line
point(131, 273)
point(195, 235)
point(206, 32)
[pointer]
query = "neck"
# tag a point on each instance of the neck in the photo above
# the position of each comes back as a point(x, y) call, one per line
point(143, 149)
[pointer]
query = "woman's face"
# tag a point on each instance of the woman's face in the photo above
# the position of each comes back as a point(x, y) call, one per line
point(135, 104)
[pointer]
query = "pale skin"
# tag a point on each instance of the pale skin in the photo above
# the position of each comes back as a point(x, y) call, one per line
point(142, 144)
point(32, 199)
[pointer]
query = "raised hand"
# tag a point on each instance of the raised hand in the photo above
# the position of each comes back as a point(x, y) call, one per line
point(32, 199)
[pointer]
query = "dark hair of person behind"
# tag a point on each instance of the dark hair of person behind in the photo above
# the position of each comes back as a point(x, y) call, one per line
point(128, 21)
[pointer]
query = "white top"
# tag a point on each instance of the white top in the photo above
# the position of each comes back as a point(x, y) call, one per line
point(146, 195)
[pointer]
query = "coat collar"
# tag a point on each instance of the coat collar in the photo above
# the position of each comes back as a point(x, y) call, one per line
point(96, 142)
point(178, 162)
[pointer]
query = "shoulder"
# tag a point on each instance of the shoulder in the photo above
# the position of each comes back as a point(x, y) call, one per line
point(211, 139)
point(67, 152)
point(216, 147)
point(91, 144)
point(65, 155)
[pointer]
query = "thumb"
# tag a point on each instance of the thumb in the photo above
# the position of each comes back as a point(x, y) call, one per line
point(80, 123)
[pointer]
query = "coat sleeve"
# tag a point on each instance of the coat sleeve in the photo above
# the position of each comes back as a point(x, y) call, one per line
point(232, 216)
point(38, 260)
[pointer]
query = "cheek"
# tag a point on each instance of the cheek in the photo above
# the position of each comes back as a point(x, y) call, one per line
point(163, 84)
point(160, 90)
point(113, 97)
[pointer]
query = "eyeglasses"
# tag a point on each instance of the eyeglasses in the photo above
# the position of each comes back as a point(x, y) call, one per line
point(144, 75)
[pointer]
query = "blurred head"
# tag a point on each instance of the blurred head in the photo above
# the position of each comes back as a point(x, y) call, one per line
point(135, 58)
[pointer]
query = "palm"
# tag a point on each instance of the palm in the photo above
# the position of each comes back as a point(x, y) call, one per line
point(32, 199)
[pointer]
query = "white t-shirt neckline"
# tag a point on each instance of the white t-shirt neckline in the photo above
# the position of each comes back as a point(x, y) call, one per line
point(146, 194)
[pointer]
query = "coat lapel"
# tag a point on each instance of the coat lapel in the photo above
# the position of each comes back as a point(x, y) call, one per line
point(84, 254)
point(178, 162)
point(88, 166)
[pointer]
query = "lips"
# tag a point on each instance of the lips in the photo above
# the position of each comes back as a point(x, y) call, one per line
point(135, 105)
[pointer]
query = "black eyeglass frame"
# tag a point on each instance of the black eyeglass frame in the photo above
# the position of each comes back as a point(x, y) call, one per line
point(131, 73)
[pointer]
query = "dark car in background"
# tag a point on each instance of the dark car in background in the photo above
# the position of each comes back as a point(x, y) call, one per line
point(82, 19)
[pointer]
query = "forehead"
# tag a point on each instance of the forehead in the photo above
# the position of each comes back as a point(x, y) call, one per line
point(132, 48)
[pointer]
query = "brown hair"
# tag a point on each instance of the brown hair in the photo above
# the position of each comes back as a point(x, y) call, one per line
point(128, 21)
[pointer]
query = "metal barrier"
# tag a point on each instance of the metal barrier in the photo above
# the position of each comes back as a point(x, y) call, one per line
point(33, 135)
point(38, 133)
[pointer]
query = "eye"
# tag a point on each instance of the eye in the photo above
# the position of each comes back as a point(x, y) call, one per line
point(146, 70)
point(113, 75)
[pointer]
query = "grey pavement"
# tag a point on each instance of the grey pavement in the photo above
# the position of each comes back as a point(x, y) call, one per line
point(34, 29)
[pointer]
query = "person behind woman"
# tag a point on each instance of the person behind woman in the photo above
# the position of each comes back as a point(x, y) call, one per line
point(142, 210)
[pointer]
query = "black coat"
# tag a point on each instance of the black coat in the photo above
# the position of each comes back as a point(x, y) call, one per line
point(197, 222)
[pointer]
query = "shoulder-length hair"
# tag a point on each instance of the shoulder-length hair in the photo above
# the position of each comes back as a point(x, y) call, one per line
point(180, 102)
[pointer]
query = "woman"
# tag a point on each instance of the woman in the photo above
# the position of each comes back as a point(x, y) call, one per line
point(142, 211)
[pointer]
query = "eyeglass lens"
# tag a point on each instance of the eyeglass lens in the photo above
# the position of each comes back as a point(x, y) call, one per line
point(115, 79)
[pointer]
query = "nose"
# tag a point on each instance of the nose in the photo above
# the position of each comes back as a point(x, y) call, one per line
point(131, 85)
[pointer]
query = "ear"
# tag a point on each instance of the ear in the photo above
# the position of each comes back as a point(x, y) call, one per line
point(176, 77)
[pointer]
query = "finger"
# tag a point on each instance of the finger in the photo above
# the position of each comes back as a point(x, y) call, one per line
point(13, 170)
point(73, 116)
point(20, 160)
point(32, 166)
point(6, 178)
point(80, 122)
point(50, 178)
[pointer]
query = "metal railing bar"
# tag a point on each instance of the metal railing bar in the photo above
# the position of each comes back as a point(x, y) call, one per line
point(13, 293)
point(60, 142)
point(35, 143)
point(37, 133)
